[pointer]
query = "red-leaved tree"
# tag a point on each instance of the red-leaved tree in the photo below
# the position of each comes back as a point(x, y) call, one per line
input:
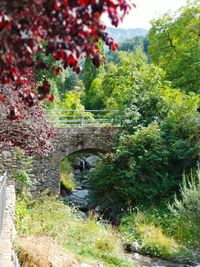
point(66, 29)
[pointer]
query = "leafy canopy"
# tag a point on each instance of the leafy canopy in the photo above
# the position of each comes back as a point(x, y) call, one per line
point(175, 46)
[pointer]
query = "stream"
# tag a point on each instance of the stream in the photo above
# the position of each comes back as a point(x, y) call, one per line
point(79, 198)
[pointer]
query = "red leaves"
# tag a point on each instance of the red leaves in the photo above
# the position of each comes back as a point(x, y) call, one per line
point(14, 114)
point(44, 90)
point(66, 29)
point(69, 28)
point(114, 47)
point(29, 97)
point(51, 98)
point(9, 59)
point(2, 99)
point(71, 60)
point(24, 126)
point(83, 2)
point(57, 5)
point(57, 71)
point(5, 22)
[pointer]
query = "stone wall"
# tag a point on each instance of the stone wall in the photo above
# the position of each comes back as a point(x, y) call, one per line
point(7, 254)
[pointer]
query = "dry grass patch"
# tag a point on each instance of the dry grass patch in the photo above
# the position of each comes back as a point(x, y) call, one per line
point(43, 252)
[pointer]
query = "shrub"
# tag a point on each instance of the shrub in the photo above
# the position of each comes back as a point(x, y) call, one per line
point(135, 174)
point(186, 209)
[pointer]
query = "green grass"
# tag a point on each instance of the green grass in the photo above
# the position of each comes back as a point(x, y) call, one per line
point(87, 239)
point(66, 175)
point(158, 232)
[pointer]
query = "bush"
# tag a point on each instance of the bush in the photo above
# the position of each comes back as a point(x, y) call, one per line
point(135, 174)
point(186, 209)
point(159, 140)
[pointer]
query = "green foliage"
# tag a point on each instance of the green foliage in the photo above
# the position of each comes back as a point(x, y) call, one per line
point(131, 77)
point(91, 79)
point(24, 167)
point(175, 46)
point(181, 129)
point(136, 173)
point(87, 239)
point(158, 141)
point(94, 98)
point(22, 176)
point(129, 45)
point(72, 101)
point(154, 230)
point(66, 175)
point(89, 73)
point(186, 209)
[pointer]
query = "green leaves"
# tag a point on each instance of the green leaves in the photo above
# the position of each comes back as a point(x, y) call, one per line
point(175, 46)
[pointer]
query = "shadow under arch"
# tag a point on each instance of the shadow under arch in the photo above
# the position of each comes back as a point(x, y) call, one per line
point(93, 151)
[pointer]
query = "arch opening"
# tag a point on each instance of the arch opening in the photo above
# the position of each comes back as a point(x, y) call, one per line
point(75, 175)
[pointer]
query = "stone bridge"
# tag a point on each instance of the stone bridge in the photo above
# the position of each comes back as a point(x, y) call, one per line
point(70, 140)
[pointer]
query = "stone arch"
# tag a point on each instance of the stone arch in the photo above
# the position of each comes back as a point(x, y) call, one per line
point(70, 141)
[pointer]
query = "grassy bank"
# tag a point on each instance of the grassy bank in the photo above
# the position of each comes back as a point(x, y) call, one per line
point(157, 233)
point(88, 240)
point(171, 231)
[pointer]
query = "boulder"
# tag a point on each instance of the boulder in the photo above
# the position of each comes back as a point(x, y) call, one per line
point(135, 247)
point(77, 163)
point(80, 199)
point(92, 161)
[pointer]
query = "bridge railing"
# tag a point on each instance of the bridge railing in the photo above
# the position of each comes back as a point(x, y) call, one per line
point(3, 179)
point(66, 118)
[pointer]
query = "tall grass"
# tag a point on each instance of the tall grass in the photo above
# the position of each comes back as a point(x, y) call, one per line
point(86, 239)
point(171, 232)
point(186, 209)
point(66, 175)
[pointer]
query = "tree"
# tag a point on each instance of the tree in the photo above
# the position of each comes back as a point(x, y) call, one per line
point(67, 30)
point(175, 46)
point(130, 45)
point(89, 74)
point(158, 138)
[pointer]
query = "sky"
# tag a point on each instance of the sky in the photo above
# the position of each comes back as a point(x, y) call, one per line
point(147, 10)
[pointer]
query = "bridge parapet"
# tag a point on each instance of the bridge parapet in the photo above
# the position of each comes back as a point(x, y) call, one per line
point(62, 118)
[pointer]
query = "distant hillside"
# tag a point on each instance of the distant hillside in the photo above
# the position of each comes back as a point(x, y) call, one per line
point(120, 35)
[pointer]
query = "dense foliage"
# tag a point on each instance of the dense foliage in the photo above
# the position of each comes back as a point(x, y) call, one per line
point(175, 46)
point(159, 138)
